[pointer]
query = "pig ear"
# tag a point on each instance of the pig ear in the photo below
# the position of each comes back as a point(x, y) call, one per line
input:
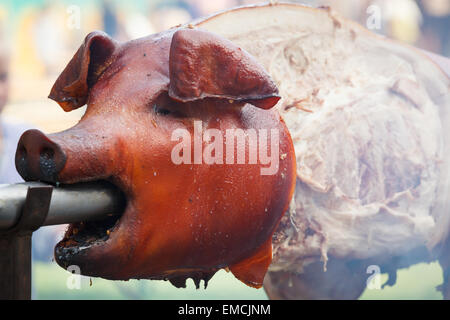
point(71, 89)
point(204, 65)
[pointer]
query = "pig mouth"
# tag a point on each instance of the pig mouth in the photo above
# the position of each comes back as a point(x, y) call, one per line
point(88, 234)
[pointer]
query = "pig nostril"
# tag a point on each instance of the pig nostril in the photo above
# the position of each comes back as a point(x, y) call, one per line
point(22, 153)
point(47, 163)
point(47, 153)
point(21, 161)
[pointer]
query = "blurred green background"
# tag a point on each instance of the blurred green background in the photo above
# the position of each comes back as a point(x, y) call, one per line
point(51, 282)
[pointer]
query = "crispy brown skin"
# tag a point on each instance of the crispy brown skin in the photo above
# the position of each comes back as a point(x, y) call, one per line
point(181, 220)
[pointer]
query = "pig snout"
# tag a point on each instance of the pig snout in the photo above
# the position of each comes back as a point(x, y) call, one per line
point(38, 157)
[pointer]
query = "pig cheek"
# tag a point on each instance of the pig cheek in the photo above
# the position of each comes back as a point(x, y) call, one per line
point(201, 230)
point(155, 224)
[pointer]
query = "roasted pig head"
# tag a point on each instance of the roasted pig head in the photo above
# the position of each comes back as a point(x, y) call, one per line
point(181, 122)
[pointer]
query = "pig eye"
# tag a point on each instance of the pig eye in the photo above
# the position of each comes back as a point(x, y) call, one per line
point(160, 110)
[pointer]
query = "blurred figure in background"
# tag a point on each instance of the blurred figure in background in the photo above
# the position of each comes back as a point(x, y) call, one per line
point(110, 23)
point(207, 7)
point(436, 26)
point(10, 132)
point(168, 15)
point(48, 31)
point(123, 25)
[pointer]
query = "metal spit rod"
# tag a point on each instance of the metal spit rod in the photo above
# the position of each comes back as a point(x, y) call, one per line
point(69, 203)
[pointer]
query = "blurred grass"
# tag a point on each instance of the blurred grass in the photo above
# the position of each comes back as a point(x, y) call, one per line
point(50, 282)
point(417, 282)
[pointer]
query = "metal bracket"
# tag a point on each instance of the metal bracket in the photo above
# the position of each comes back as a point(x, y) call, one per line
point(15, 245)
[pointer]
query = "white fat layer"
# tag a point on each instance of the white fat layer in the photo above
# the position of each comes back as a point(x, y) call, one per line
point(366, 116)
